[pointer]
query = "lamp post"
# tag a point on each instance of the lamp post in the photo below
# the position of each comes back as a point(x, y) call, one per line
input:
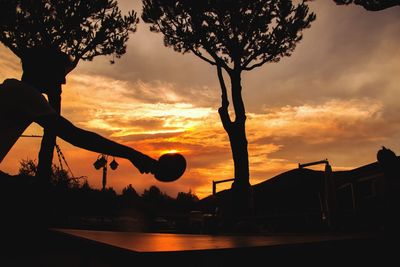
point(101, 162)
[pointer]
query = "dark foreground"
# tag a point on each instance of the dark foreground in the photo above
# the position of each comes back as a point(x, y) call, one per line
point(66, 247)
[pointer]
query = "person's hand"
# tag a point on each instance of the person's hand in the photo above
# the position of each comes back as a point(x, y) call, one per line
point(144, 163)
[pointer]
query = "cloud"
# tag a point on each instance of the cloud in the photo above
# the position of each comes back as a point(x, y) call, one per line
point(347, 53)
point(125, 109)
point(321, 123)
point(336, 97)
point(349, 132)
point(10, 64)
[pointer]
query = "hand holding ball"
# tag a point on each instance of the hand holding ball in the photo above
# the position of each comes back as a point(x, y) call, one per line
point(170, 167)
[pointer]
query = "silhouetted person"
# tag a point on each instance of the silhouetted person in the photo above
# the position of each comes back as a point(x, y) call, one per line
point(22, 102)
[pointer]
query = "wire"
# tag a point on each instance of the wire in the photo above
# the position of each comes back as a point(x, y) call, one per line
point(32, 135)
point(59, 154)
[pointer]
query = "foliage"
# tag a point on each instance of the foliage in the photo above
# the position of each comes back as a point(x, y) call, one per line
point(61, 205)
point(186, 201)
point(371, 5)
point(63, 179)
point(83, 29)
point(129, 192)
point(59, 177)
point(154, 194)
point(234, 34)
point(187, 197)
point(27, 167)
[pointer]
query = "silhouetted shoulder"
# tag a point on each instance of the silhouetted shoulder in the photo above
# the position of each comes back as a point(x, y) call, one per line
point(18, 96)
point(17, 87)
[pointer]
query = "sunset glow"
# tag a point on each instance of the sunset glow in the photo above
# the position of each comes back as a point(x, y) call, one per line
point(337, 97)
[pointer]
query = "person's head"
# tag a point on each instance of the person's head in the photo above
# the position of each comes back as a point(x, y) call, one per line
point(45, 68)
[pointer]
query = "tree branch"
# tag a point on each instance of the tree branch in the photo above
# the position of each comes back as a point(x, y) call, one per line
point(224, 93)
point(257, 53)
point(210, 51)
point(223, 110)
point(237, 99)
point(72, 66)
point(217, 59)
point(197, 53)
point(259, 64)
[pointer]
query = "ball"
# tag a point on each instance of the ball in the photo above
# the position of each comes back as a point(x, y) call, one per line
point(170, 167)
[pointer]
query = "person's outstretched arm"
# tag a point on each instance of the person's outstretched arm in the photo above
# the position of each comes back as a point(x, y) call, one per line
point(94, 142)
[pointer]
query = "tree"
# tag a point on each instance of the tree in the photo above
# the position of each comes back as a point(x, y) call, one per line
point(186, 197)
point(186, 201)
point(27, 167)
point(153, 194)
point(235, 36)
point(83, 29)
point(129, 192)
point(58, 178)
point(371, 5)
point(62, 179)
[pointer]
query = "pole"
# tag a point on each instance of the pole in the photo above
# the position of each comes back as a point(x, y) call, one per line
point(104, 177)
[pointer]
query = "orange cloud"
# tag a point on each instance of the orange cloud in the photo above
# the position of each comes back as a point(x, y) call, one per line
point(321, 122)
point(108, 106)
point(336, 97)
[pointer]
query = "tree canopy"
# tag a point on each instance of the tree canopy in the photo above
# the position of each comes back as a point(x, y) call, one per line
point(371, 5)
point(234, 34)
point(83, 29)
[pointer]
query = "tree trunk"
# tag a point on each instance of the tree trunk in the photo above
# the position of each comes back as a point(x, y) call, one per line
point(238, 142)
point(241, 189)
point(237, 134)
point(49, 140)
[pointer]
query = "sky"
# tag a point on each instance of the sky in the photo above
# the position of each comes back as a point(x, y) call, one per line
point(336, 98)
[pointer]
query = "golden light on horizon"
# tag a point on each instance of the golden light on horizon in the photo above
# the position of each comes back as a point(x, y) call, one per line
point(169, 151)
point(196, 132)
